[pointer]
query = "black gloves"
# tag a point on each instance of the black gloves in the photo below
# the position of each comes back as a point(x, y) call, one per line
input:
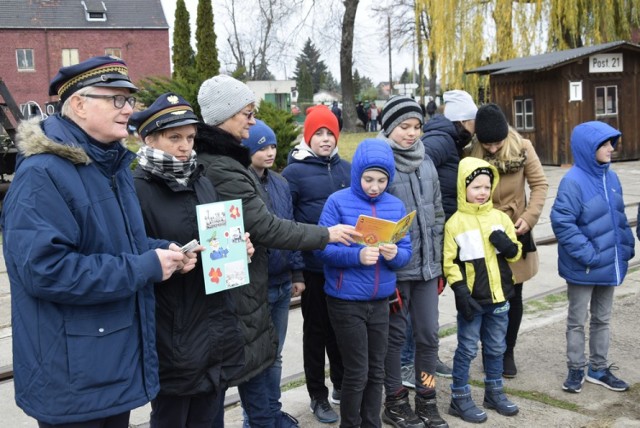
point(465, 304)
point(503, 243)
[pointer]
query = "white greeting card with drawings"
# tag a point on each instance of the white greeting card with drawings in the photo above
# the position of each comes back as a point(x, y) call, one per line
point(224, 260)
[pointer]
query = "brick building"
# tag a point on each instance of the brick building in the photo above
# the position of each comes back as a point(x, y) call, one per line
point(37, 37)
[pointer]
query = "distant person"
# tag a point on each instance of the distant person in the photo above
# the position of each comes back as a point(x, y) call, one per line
point(359, 281)
point(416, 185)
point(315, 170)
point(431, 109)
point(517, 163)
point(285, 267)
point(228, 110)
point(372, 116)
point(337, 111)
point(169, 185)
point(479, 245)
point(595, 244)
point(362, 114)
point(80, 265)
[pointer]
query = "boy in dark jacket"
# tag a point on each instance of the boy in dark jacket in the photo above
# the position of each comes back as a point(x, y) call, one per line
point(359, 280)
point(285, 266)
point(595, 244)
point(314, 172)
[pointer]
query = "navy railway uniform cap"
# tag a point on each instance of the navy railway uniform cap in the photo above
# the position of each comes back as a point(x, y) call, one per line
point(168, 111)
point(103, 71)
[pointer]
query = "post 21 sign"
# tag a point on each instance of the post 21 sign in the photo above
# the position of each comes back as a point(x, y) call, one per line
point(605, 63)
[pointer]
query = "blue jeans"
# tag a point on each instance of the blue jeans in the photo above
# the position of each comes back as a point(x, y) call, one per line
point(361, 329)
point(252, 394)
point(489, 326)
point(279, 300)
point(409, 350)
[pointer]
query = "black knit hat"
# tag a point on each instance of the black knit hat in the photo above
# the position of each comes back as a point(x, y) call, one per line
point(476, 172)
point(491, 125)
point(398, 109)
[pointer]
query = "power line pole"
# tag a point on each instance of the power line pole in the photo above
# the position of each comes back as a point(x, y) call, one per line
point(389, 41)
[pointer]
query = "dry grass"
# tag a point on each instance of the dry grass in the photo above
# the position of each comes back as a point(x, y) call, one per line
point(349, 141)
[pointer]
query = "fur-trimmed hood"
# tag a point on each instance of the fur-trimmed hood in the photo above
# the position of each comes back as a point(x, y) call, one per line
point(31, 140)
point(59, 136)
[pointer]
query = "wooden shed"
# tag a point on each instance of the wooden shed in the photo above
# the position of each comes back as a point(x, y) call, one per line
point(545, 96)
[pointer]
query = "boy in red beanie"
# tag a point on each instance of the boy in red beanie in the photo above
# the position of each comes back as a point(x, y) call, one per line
point(315, 171)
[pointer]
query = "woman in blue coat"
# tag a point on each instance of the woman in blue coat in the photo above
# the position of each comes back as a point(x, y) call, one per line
point(595, 244)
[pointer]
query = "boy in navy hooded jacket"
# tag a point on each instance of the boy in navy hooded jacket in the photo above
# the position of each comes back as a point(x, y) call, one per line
point(595, 244)
point(360, 279)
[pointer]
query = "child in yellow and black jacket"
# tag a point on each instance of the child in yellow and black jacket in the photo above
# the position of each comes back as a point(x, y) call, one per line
point(479, 244)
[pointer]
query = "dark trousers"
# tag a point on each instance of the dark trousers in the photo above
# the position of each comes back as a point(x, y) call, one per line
point(115, 421)
point(515, 317)
point(362, 329)
point(317, 337)
point(170, 411)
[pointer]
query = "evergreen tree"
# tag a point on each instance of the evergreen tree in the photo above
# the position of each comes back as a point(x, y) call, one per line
point(207, 64)
point(183, 55)
point(305, 87)
point(316, 68)
point(356, 85)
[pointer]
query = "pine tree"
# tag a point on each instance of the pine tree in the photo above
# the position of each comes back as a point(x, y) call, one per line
point(356, 85)
point(183, 55)
point(207, 64)
point(305, 87)
point(317, 69)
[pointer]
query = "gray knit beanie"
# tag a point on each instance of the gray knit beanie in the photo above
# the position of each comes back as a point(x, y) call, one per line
point(398, 109)
point(222, 97)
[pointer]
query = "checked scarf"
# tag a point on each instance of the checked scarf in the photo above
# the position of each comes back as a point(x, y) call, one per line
point(164, 165)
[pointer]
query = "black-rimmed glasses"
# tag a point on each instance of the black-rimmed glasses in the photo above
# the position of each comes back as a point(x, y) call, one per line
point(118, 100)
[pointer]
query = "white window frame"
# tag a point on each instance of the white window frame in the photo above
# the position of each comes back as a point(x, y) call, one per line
point(112, 52)
point(25, 54)
point(523, 116)
point(603, 105)
point(70, 57)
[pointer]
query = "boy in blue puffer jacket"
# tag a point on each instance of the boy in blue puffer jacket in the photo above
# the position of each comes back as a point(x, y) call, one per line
point(595, 244)
point(360, 279)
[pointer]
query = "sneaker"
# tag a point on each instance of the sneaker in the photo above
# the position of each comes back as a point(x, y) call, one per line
point(574, 381)
point(397, 412)
point(323, 411)
point(605, 378)
point(443, 370)
point(336, 395)
point(288, 421)
point(408, 375)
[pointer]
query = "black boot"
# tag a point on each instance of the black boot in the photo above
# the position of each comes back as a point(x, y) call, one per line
point(427, 411)
point(397, 412)
point(509, 369)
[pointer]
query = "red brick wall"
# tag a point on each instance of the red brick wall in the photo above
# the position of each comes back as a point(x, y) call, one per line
point(146, 53)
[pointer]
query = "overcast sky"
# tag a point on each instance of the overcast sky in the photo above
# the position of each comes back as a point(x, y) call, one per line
point(370, 50)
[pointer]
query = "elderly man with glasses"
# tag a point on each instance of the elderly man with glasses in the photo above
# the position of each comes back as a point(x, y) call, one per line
point(80, 264)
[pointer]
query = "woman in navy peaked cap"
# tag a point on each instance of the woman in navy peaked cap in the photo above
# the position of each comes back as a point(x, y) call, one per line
point(198, 338)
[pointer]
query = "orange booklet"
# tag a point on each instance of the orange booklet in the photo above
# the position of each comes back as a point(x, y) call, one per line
point(376, 231)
